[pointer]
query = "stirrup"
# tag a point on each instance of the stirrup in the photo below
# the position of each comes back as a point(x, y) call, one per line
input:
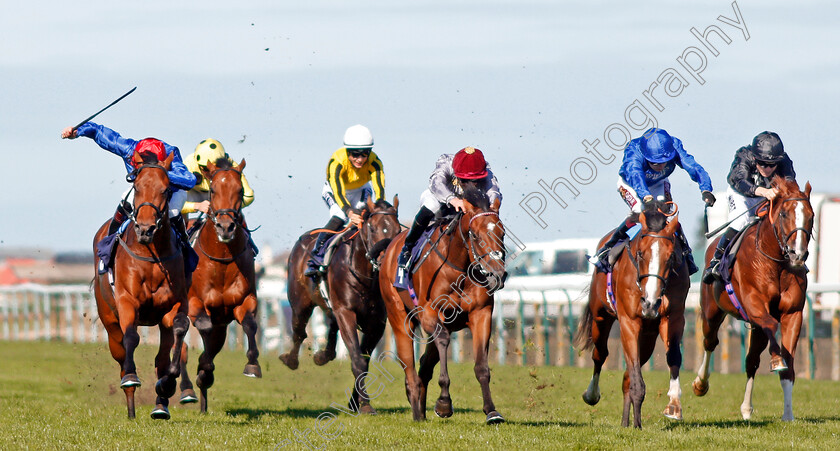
point(712, 272)
point(599, 255)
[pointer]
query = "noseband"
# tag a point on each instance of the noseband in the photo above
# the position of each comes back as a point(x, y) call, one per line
point(366, 243)
point(159, 211)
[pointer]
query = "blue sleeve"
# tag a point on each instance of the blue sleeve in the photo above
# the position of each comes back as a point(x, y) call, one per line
point(108, 139)
point(633, 169)
point(695, 171)
point(179, 176)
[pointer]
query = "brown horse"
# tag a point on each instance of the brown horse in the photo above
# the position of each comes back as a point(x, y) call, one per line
point(649, 285)
point(769, 282)
point(150, 286)
point(223, 285)
point(454, 289)
point(354, 295)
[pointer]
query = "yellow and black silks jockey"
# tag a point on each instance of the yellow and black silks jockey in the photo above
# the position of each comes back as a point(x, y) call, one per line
point(354, 174)
point(198, 198)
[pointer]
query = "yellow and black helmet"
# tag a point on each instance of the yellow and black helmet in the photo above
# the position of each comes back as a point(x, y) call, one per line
point(208, 150)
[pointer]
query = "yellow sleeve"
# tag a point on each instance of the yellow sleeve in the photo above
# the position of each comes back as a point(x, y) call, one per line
point(334, 170)
point(189, 207)
point(247, 192)
point(377, 177)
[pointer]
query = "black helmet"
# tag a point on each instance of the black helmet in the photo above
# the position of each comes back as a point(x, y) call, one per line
point(768, 148)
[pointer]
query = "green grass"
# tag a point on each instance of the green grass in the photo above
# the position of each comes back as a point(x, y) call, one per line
point(56, 395)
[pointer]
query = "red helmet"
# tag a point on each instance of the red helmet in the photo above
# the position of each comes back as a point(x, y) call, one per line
point(151, 146)
point(469, 164)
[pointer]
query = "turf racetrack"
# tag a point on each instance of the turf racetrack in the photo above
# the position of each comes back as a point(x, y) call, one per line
point(57, 395)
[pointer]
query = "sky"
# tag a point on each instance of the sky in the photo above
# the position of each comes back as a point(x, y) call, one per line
point(278, 82)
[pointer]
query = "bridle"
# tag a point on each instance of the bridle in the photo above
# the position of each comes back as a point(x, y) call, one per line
point(469, 242)
point(635, 261)
point(159, 210)
point(778, 232)
point(367, 243)
point(235, 214)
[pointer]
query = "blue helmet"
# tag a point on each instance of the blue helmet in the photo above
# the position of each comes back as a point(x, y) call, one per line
point(657, 146)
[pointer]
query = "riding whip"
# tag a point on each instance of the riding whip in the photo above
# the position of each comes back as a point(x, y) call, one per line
point(103, 109)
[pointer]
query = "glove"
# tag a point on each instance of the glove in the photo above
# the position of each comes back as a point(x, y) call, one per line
point(198, 177)
point(647, 201)
point(709, 198)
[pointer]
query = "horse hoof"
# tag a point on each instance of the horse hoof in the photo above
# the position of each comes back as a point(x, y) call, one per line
point(591, 400)
point(494, 418)
point(777, 364)
point(673, 412)
point(443, 408)
point(129, 380)
point(700, 387)
point(367, 409)
point(746, 412)
point(188, 396)
point(321, 358)
point(160, 413)
point(290, 361)
point(252, 371)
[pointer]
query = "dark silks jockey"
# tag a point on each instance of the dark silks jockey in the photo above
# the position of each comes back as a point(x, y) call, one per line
point(648, 162)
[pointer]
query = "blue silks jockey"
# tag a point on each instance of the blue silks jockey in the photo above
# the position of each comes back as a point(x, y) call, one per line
point(643, 177)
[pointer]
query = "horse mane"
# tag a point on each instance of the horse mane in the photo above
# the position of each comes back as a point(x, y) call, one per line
point(223, 163)
point(383, 204)
point(477, 197)
point(149, 158)
point(786, 187)
point(654, 217)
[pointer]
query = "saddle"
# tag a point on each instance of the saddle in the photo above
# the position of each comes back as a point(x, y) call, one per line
point(616, 251)
point(106, 249)
point(417, 255)
point(727, 261)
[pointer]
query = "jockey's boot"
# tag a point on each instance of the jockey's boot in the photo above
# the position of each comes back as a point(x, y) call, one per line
point(421, 221)
point(180, 229)
point(713, 270)
point(120, 215)
point(600, 257)
point(686, 251)
point(313, 268)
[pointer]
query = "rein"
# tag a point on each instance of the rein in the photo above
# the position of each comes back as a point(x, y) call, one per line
point(777, 231)
point(159, 211)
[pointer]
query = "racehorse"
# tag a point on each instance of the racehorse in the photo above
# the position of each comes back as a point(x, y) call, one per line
point(223, 285)
point(150, 286)
point(769, 283)
point(354, 294)
point(454, 289)
point(646, 292)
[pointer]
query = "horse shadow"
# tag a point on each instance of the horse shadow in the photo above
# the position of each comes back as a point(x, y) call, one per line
point(722, 424)
point(250, 415)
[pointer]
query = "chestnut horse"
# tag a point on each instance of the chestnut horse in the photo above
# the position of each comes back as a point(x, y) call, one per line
point(649, 284)
point(150, 286)
point(454, 289)
point(769, 282)
point(354, 294)
point(223, 285)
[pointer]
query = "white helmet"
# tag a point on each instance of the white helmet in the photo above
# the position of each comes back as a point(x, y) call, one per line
point(358, 137)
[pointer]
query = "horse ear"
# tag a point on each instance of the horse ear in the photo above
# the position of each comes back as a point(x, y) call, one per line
point(808, 189)
point(396, 202)
point(136, 159)
point(672, 226)
point(643, 220)
point(211, 168)
point(241, 165)
point(496, 205)
point(369, 204)
point(468, 207)
point(167, 162)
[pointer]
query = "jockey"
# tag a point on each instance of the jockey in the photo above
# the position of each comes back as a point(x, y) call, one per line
point(446, 187)
point(750, 183)
point(354, 173)
point(180, 178)
point(648, 161)
point(198, 198)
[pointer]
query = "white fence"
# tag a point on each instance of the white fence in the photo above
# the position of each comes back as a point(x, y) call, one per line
point(533, 326)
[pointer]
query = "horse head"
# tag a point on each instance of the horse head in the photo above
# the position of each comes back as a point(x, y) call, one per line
point(151, 189)
point(225, 197)
point(793, 220)
point(380, 226)
point(484, 238)
point(652, 253)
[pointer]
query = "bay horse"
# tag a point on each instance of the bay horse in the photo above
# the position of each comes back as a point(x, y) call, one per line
point(354, 295)
point(649, 284)
point(769, 282)
point(150, 286)
point(454, 287)
point(224, 285)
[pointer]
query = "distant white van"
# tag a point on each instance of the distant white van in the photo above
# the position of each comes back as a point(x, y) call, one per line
point(552, 264)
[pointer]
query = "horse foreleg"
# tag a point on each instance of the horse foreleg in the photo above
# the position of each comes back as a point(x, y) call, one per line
point(758, 341)
point(214, 339)
point(481, 325)
point(327, 354)
point(115, 344)
point(428, 361)
point(130, 341)
point(404, 338)
point(443, 405)
point(671, 331)
point(299, 320)
point(187, 392)
point(358, 363)
point(791, 325)
point(634, 385)
point(244, 315)
point(165, 385)
point(712, 317)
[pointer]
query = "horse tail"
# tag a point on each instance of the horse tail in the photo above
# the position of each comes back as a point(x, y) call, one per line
point(583, 336)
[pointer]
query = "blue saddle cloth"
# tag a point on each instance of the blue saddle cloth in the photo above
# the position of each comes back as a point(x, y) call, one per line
point(318, 258)
point(106, 247)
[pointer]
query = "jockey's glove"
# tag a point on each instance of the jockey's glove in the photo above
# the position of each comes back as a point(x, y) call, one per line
point(709, 198)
